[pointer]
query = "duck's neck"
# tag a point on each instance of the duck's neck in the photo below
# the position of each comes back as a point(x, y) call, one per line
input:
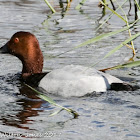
point(32, 65)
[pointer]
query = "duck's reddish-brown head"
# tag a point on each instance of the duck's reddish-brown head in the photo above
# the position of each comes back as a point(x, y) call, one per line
point(25, 46)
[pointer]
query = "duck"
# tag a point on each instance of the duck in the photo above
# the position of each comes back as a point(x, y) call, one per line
point(71, 80)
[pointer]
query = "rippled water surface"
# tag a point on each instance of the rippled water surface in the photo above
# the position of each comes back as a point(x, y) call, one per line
point(110, 115)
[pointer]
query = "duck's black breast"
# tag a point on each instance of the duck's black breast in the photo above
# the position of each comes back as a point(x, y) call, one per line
point(34, 79)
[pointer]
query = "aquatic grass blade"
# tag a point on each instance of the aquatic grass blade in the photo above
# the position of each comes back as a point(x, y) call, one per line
point(138, 4)
point(49, 5)
point(56, 112)
point(51, 101)
point(114, 12)
point(118, 47)
point(131, 64)
point(98, 38)
point(126, 65)
point(46, 98)
point(105, 21)
point(122, 44)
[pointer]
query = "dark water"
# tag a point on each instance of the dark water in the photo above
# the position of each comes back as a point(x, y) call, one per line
point(110, 115)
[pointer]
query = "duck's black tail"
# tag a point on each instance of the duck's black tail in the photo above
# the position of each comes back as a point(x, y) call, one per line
point(123, 87)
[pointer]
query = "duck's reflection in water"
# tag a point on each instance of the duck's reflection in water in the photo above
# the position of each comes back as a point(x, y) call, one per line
point(29, 106)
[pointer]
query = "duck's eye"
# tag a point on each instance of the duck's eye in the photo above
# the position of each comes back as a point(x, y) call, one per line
point(16, 40)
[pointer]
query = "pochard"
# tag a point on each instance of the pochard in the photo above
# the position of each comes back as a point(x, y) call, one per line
point(71, 80)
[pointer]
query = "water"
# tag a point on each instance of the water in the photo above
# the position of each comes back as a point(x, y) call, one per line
point(109, 115)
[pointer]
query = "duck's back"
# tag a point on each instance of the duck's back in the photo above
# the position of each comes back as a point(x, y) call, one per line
point(76, 81)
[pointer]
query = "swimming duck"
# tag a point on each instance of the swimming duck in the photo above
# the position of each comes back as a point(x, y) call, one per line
point(71, 80)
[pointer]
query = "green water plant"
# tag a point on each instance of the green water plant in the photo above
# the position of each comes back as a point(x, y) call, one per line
point(51, 101)
point(52, 9)
point(106, 20)
point(114, 12)
point(100, 37)
point(125, 65)
point(125, 19)
point(111, 52)
point(117, 48)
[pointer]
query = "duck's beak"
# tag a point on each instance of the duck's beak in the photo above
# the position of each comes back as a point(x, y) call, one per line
point(4, 49)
